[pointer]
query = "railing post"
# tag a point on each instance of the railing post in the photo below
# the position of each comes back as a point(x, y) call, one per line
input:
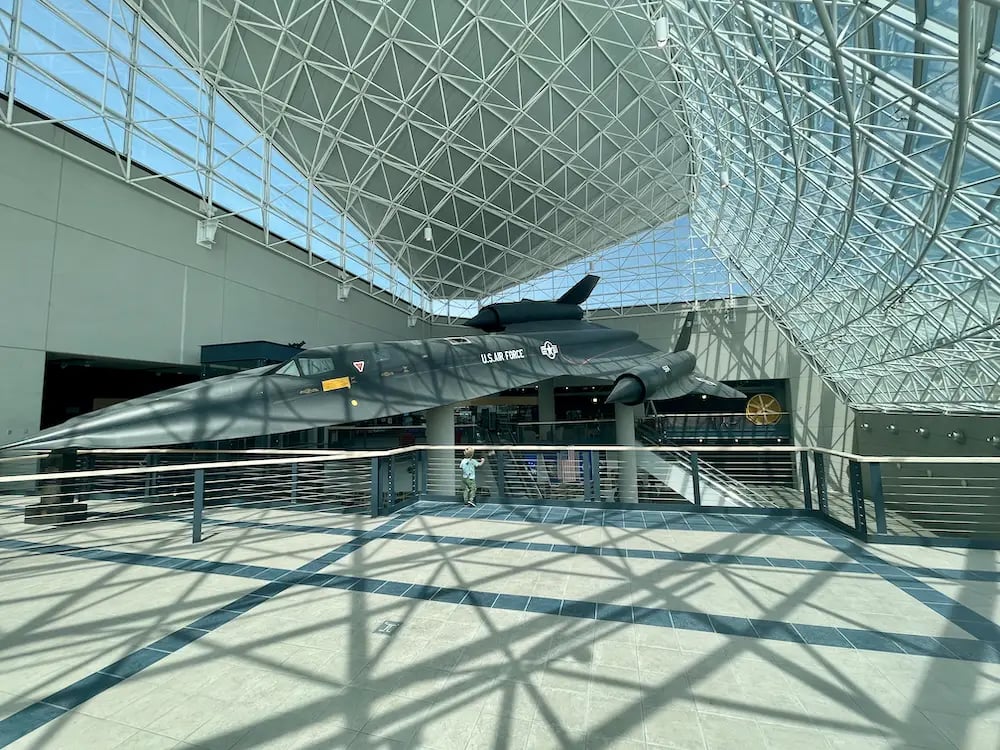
point(595, 475)
point(586, 457)
point(878, 497)
point(423, 473)
point(821, 494)
point(375, 491)
point(501, 475)
point(295, 482)
point(199, 505)
point(390, 475)
point(695, 478)
point(147, 483)
point(806, 489)
point(857, 497)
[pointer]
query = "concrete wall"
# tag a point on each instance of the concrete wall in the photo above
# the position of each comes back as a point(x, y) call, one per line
point(935, 496)
point(92, 266)
point(745, 345)
point(873, 437)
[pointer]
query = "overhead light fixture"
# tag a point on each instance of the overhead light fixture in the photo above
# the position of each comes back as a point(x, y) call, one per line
point(206, 232)
point(428, 233)
point(343, 288)
point(661, 32)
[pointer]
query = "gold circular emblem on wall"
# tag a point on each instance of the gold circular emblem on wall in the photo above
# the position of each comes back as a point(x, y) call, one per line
point(763, 408)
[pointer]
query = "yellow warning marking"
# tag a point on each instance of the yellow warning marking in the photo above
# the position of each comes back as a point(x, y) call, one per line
point(336, 384)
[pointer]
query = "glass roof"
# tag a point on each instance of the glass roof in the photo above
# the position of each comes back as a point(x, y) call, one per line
point(848, 167)
point(838, 162)
point(659, 267)
point(95, 67)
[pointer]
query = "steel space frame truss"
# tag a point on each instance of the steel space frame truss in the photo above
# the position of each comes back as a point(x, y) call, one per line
point(848, 166)
point(842, 158)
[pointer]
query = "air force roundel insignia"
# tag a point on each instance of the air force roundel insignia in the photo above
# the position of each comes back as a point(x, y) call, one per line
point(549, 349)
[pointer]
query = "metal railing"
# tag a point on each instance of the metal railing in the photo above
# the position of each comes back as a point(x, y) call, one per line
point(875, 498)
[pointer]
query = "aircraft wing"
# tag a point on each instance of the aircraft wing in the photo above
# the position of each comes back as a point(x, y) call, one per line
point(709, 387)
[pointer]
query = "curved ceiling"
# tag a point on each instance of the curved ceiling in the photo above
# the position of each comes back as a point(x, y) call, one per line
point(527, 135)
point(848, 167)
point(841, 158)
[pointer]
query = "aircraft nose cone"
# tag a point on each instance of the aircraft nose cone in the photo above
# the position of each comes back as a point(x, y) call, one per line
point(199, 411)
point(628, 390)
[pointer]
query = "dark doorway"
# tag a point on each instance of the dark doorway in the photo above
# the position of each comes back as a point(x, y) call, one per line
point(78, 385)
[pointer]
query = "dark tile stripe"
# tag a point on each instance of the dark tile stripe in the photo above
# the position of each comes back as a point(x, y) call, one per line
point(721, 559)
point(955, 612)
point(679, 520)
point(985, 650)
point(53, 706)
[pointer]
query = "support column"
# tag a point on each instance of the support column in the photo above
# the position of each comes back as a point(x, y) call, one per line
point(546, 409)
point(441, 467)
point(57, 498)
point(628, 489)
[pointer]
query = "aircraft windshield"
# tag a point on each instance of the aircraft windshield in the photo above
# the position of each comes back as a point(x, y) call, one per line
point(306, 366)
point(315, 365)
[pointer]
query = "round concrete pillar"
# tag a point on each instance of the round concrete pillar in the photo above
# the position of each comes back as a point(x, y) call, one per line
point(441, 467)
point(628, 489)
point(546, 410)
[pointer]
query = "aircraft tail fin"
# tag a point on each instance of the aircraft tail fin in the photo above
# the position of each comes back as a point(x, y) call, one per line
point(580, 291)
point(684, 340)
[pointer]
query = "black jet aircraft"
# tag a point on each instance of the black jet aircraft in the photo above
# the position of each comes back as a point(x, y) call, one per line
point(521, 343)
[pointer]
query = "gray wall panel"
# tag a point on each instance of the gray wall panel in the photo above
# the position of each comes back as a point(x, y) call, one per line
point(21, 375)
point(110, 208)
point(128, 281)
point(111, 300)
point(29, 176)
point(26, 250)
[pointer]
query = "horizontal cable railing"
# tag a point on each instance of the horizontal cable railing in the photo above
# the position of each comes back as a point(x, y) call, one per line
point(876, 497)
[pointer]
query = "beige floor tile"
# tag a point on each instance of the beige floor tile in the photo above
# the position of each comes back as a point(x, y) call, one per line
point(293, 671)
point(672, 723)
point(446, 727)
point(148, 741)
point(545, 734)
point(504, 731)
point(788, 737)
point(364, 741)
point(73, 731)
point(729, 733)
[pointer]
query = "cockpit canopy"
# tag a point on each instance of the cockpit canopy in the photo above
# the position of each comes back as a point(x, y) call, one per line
point(305, 365)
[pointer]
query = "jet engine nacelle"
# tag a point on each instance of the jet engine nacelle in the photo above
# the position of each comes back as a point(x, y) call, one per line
point(633, 388)
point(497, 317)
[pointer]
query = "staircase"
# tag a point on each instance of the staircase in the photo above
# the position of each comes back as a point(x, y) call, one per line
point(674, 470)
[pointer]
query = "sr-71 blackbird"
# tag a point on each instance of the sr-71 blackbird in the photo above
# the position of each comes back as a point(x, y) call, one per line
point(521, 343)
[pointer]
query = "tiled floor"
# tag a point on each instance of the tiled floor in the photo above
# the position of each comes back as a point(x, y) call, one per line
point(518, 628)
